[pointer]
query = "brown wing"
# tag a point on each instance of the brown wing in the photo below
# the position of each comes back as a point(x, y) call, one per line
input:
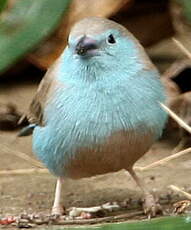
point(36, 108)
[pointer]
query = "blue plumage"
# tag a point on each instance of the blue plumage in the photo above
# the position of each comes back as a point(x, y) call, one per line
point(101, 112)
point(86, 114)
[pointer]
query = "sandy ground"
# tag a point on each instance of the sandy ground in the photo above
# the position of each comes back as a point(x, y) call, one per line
point(34, 192)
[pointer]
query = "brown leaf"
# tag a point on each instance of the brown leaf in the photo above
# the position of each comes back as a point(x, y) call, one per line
point(181, 206)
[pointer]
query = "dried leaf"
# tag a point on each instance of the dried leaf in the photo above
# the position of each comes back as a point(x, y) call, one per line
point(181, 206)
point(7, 220)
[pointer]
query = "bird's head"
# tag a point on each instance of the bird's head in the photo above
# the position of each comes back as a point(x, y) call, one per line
point(102, 39)
point(98, 45)
point(92, 37)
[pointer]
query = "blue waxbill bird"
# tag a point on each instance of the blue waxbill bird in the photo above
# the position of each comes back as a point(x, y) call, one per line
point(97, 109)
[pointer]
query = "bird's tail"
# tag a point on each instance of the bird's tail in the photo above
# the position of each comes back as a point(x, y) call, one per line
point(26, 131)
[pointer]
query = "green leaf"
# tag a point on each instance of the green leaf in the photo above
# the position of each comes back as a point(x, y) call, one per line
point(27, 23)
point(165, 223)
point(3, 3)
point(186, 8)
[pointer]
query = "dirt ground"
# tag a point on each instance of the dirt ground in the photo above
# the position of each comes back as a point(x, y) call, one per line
point(34, 192)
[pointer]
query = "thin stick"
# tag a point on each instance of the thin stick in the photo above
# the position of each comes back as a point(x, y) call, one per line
point(43, 170)
point(100, 220)
point(182, 47)
point(21, 155)
point(176, 189)
point(60, 221)
point(22, 171)
point(176, 118)
point(164, 160)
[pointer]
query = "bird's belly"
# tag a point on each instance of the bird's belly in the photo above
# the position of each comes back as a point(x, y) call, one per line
point(120, 151)
point(86, 135)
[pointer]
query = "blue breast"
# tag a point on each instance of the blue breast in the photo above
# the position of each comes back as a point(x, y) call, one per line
point(84, 114)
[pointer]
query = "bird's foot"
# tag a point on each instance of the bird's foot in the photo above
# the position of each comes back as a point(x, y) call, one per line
point(57, 211)
point(150, 206)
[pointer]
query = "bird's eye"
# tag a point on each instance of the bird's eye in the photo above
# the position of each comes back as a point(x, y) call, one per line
point(111, 39)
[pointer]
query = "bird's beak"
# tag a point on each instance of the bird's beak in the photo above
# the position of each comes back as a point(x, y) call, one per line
point(86, 46)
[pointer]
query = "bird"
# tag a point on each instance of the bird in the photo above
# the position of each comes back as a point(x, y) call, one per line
point(97, 109)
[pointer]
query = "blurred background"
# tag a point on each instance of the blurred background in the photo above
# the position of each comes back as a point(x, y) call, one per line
point(33, 34)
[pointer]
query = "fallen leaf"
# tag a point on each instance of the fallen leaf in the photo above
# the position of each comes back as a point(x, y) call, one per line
point(7, 220)
point(181, 206)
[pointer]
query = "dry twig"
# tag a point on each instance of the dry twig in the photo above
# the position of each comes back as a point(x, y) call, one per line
point(164, 160)
point(177, 189)
point(182, 47)
point(176, 118)
point(22, 171)
point(21, 155)
point(64, 221)
point(43, 170)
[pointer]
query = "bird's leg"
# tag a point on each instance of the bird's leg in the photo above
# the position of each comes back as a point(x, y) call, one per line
point(150, 206)
point(57, 209)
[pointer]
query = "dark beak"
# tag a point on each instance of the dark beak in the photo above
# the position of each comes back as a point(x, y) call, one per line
point(86, 45)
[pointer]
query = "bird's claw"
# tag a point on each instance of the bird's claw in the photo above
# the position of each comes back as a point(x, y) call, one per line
point(57, 211)
point(150, 206)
